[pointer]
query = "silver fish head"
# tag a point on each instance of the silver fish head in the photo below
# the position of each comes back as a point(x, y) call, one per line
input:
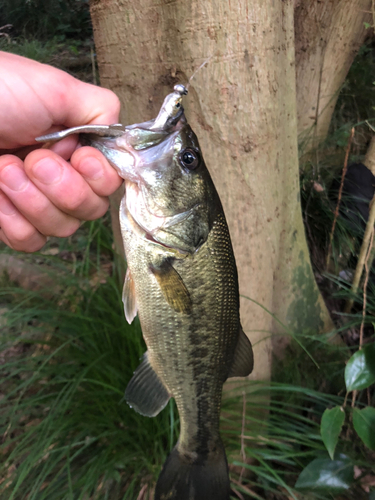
point(169, 191)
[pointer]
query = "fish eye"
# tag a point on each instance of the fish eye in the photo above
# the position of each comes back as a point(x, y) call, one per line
point(178, 104)
point(189, 159)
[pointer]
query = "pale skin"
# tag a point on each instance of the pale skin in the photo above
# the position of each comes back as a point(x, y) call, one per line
point(48, 192)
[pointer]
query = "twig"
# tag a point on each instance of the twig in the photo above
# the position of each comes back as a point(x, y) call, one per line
point(365, 289)
point(141, 495)
point(363, 254)
point(246, 490)
point(339, 195)
point(370, 126)
point(243, 452)
point(353, 399)
point(364, 300)
point(238, 494)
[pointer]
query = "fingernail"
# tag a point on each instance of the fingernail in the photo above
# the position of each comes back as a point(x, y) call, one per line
point(47, 171)
point(91, 168)
point(14, 177)
point(6, 206)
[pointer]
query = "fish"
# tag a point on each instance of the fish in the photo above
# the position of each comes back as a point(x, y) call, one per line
point(182, 281)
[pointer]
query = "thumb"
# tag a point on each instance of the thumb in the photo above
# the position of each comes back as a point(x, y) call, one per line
point(88, 104)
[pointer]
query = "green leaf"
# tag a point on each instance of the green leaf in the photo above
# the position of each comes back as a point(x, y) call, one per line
point(364, 424)
point(367, 25)
point(330, 428)
point(360, 369)
point(325, 475)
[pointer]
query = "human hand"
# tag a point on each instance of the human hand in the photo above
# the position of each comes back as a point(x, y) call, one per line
point(42, 193)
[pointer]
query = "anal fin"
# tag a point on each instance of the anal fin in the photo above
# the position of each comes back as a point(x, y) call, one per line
point(145, 392)
point(172, 287)
point(243, 359)
point(128, 297)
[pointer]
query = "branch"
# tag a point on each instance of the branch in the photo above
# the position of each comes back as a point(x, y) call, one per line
point(339, 195)
point(363, 254)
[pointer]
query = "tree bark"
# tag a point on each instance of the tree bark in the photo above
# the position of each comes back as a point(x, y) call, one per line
point(242, 106)
point(369, 160)
point(328, 35)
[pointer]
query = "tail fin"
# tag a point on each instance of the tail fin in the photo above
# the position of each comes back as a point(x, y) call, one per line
point(205, 478)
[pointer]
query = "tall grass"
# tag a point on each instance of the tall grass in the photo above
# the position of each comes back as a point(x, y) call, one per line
point(67, 356)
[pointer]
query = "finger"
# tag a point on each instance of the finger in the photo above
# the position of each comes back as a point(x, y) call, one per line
point(64, 186)
point(65, 147)
point(31, 202)
point(57, 98)
point(16, 231)
point(95, 169)
point(87, 103)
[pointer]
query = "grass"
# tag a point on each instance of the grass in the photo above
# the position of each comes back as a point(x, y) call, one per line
point(67, 432)
point(68, 354)
point(44, 19)
point(31, 48)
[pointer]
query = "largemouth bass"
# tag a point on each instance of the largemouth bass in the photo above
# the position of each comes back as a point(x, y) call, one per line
point(181, 279)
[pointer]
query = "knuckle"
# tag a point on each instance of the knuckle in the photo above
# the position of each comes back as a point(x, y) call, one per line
point(116, 104)
point(100, 210)
point(24, 241)
point(36, 245)
point(113, 102)
point(74, 203)
point(39, 210)
point(67, 229)
point(8, 159)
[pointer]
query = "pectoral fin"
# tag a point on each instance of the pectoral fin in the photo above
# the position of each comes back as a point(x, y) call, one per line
point(128, 297)
point(145, 392)
point(243, 359)
point(172, 287)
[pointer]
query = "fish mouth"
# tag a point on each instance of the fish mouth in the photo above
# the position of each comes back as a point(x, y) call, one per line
point(173, 249)
point(150, 237)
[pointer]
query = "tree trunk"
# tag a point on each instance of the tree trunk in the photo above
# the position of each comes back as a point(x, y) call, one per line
point(328, 35)
point(242, 108)
point(369, 160)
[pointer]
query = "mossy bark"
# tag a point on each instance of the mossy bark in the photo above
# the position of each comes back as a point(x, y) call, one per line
point(328, 35)
point(242, 106)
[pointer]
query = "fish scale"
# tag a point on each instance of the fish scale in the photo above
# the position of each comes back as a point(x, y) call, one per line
point(171, 337)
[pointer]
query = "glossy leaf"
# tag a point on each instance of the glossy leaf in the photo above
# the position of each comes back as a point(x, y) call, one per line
point(325, 475)
point(360, 369)
point(364, 424)
point(330, 428)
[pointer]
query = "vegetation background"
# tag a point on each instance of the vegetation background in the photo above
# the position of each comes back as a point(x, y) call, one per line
point(67, 352)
